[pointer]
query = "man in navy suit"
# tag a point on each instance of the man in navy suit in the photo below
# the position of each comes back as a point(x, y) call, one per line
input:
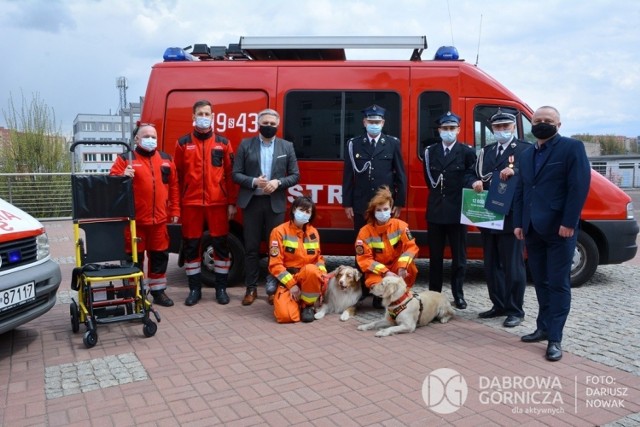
point(554, 183)
point(265, 166)
point(448, 168)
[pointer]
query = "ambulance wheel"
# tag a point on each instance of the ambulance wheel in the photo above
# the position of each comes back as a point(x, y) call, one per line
point(149, 329)
point(75, 316)
point(236, 273)
point(90, 339)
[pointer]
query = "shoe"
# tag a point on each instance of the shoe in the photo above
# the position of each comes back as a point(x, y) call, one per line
point(160, 298)
point(377, 303)
point(554, 351)
point(536, 336)
point(512, 321)
point(271, 298)
point(194, 297)
point(460, 303)
point(221, 296)
point(307, 314)
point(250, 296)
point(489, 314)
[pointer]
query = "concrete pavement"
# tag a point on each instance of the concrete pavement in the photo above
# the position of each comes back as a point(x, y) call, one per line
point(232, 365)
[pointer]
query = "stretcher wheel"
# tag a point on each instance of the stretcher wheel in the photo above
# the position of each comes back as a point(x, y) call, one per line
point(149, 329)
point(90, 339)
point(75, 317)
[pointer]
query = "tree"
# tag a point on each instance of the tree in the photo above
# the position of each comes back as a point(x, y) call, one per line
point(35, 140)
point(35, 146)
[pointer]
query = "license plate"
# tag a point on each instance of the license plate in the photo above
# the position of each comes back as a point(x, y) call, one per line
point(17, 295)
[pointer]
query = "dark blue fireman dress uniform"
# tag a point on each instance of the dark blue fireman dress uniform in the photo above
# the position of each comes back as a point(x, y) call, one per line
point(368, 167)
point(504, 267)
point(446, 176)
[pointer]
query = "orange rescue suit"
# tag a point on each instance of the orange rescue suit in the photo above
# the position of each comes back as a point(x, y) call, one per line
point(387, 247)
point(295, 259)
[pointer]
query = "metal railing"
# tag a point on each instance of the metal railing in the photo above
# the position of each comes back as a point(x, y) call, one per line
point(41, 195)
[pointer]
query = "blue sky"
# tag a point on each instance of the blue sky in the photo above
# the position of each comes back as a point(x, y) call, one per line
point(581, 56)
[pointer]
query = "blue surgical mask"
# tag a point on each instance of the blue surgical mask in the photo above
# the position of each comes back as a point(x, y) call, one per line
point(203, 122)
point(374, 129)
point(148, 144)
point(448, 136)
point(383, 216)
point(502, 136)
point(301, 217)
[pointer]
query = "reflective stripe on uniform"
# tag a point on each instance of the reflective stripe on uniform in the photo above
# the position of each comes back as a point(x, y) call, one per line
point(377, 267)
point(285, 277)
point(375, 242)
point(321, 267)
point(311, 245)
point(290, 241)
point(405, 257)
point(309, 298)
point(192, 268)
point(221, 266)
point(394, 237)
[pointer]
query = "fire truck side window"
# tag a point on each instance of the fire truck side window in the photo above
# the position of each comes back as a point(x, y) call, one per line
point(433, 105)
point(482, 126)
point(320, 122)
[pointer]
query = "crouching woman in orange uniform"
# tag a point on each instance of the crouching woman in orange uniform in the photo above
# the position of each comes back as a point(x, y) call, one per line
point(385, 245)
point(296, 262)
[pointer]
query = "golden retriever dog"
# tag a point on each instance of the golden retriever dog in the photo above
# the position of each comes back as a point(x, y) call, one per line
point(406, 311)
point(342, 294)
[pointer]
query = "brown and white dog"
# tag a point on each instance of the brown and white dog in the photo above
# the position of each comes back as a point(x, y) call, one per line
point(406, 311)
point(342, 294)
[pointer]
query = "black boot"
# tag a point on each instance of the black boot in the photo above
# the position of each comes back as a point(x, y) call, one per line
point(221, 288)
point(458, 296)
point(195, 289)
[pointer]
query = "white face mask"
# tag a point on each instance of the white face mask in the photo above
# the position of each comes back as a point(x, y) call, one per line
point(148, 144)
point(503, 136)
point(301, 217)
point(448, 136)
point(383, 216)
point(203, 122)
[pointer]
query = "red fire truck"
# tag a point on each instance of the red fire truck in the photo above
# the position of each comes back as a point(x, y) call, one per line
point(320, 94)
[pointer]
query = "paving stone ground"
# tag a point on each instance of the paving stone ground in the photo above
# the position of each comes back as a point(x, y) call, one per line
point(233, 365)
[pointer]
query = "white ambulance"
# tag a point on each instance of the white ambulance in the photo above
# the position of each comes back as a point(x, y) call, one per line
point(29, 278)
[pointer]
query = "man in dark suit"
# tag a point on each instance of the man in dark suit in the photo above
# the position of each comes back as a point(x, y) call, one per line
point(504, 267)
point(372, 160)
point(265, 166)
point(449, 167)
point(553, 186)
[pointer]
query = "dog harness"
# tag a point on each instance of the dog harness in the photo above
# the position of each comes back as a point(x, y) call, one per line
point(403, 301)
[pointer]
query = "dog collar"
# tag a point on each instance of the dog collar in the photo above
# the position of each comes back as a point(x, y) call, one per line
point(400, 303)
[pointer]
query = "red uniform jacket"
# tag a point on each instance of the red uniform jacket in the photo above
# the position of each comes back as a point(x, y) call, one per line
point(204, 170)
point(155, 185)
point(292, 248)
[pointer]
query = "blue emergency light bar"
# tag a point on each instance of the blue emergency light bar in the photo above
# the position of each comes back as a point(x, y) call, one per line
point(177, 54)
point(446, 53)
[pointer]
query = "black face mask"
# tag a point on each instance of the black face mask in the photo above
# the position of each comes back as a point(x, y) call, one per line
point(268, 131)
point(543, 130)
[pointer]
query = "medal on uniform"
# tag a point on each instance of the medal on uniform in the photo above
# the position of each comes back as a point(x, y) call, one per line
point(511, 160)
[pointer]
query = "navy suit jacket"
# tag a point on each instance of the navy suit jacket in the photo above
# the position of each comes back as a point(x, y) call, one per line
point(554, 194)
point(283, 167)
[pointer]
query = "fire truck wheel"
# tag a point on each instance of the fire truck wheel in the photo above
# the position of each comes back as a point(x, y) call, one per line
point(585, 260)
point(236, 273)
